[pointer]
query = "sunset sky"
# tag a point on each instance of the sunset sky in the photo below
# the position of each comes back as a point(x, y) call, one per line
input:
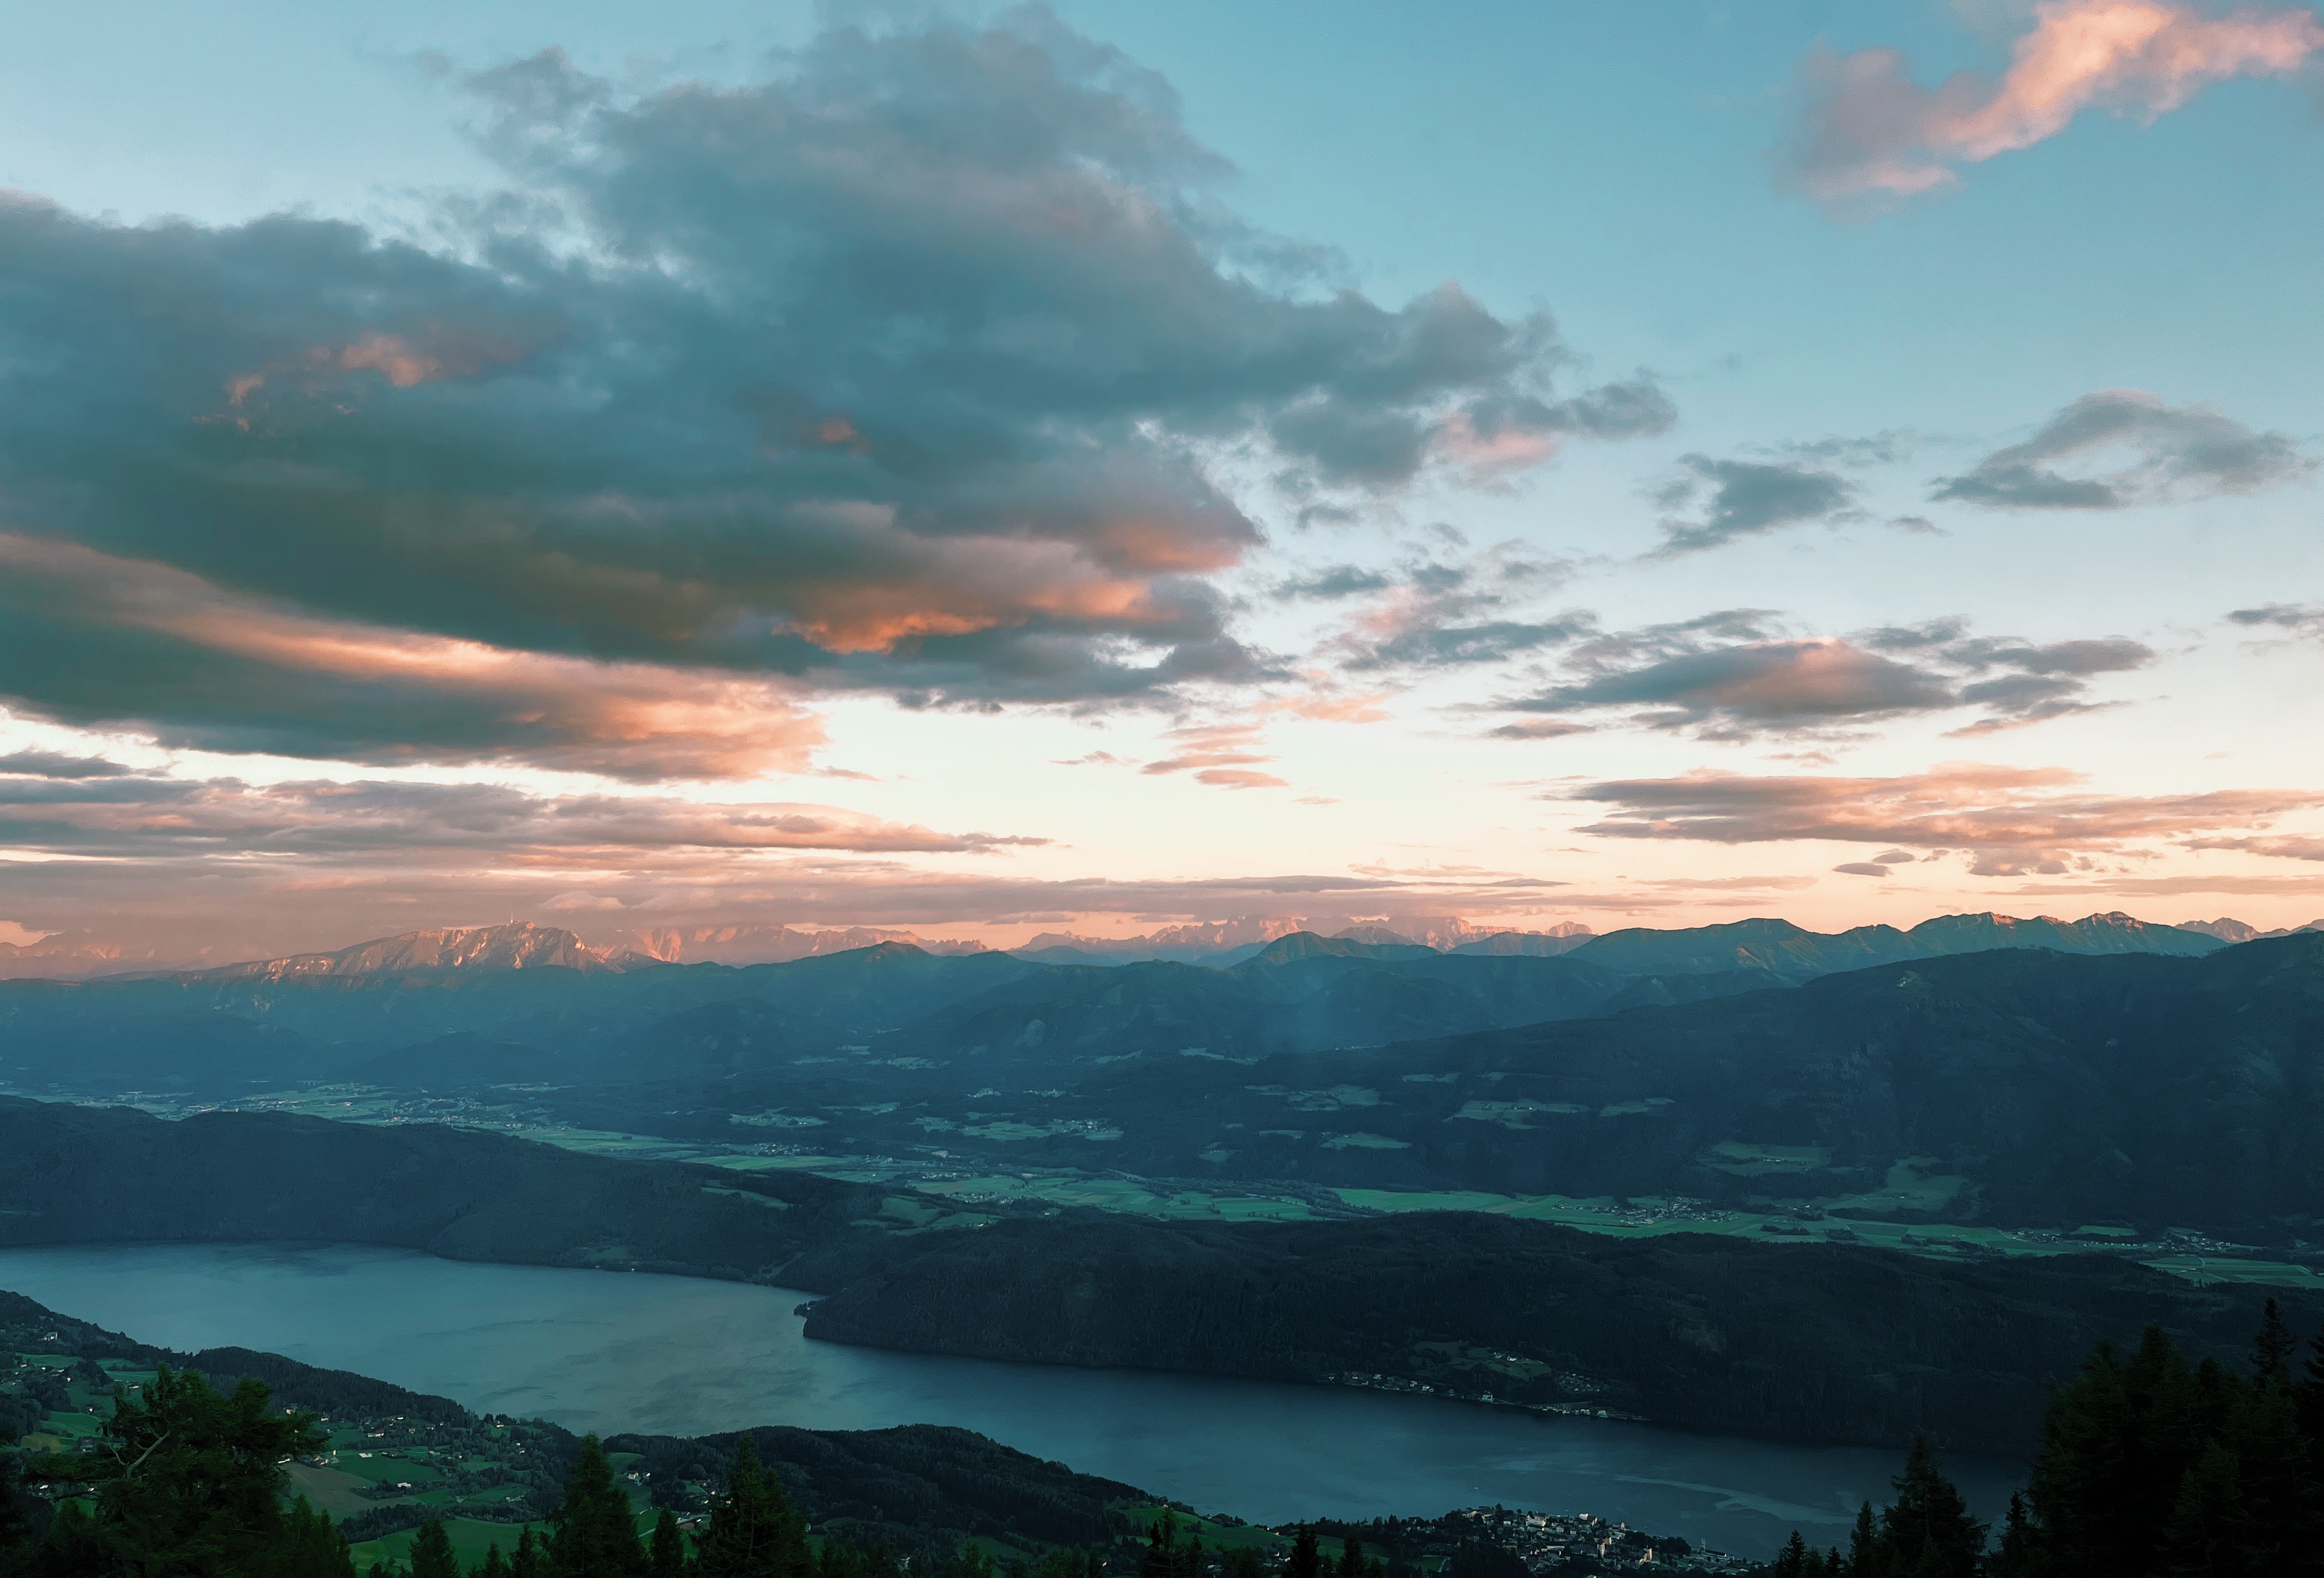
point(999, 470)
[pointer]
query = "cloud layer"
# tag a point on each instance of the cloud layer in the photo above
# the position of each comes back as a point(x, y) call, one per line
point(1735, 673)
point(2010, 820)
point(2182, 452)
point(1748, 498)
point(1872, 136)
point(901, 371)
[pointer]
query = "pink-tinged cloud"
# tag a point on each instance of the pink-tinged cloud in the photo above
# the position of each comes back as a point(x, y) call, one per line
point(1239, 778)
point(2280, 847)
point(2012, 819)
point(1223, 755)
point(428, 355)
point(269, 677)
point(1873, 135)
point(421, 826)
point(1361, 707)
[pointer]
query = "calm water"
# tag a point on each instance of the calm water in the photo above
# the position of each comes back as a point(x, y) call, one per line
point(608, 1351)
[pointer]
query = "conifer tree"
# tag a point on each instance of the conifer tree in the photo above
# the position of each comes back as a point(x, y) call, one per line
point(431, 1553)
point(1928, 1532)
point(1244, 1562)
point(528, 1562)
point(2272, 1348)
point(2015, 1556)
point(754, 1532)
point(1160, 1559)
point(2084, 1490)
point(2275, 1475)
point(186, 1480)
point(1305, 1561)
point(1864, 1546)
point(2207, 1533)
point(15, 1528)
point(495, 1565)
point(310, 1546)
point(1352, 1557)
point(594, 1533)
point(667, 1556)
point(1186, 1561)
point(1791, 1562)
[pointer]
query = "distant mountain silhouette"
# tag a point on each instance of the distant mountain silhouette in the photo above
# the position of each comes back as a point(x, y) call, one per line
point(2237, 931)
point(1537, 943)
point(757, 944)
point(518, 946)
point(1795, 954)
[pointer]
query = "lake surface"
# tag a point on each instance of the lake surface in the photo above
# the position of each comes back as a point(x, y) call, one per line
point(676, 1355)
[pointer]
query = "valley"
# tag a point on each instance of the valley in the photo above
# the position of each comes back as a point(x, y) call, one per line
point(2149, 1096)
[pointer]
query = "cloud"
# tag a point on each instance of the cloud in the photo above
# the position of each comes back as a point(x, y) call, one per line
point(1871, 137)
point(2186, 452)
point(2282, 848)
point(118, 642)
point(1223, 755)
point(2011, 820)
point(1882, 448)
point(148, 816)
point(1435, 613)
point(1538, 729)
point(1735, 673)
point(1861, 868)
point(177, 868)
point(1329, 708)
point(1335, 582)
point(1747, 498)
point(2303, 621)
point(899, 371)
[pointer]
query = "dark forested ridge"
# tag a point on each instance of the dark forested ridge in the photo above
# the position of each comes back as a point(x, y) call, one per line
point(1800, 1341)
point(82, 1175)
point(2019, 1087)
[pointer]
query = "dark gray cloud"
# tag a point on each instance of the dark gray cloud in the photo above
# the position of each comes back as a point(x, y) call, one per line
point(1861, 868)
point(1439, 613)
point(1738, 673)
point(1749, 498)
point(893, 371)
point(56, 764)
point(1538, 729)
point(1886, 447)
point(2297, 620)
point(2179, 452)
point(1335, 581)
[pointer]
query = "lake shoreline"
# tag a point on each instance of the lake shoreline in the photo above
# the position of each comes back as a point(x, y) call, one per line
point(685, 1356)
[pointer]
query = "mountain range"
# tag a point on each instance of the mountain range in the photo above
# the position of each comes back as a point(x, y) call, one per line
point(2152, 1075)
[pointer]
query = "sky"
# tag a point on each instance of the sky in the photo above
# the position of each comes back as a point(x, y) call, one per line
point(1098, 468)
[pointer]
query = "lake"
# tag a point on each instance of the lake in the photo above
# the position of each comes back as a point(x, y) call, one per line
point(609, 1351)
